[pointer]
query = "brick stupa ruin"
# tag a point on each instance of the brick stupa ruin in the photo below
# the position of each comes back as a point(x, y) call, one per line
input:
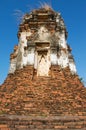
point(42, 90)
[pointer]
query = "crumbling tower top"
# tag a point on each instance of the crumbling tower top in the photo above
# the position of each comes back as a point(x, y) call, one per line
point(42, 43)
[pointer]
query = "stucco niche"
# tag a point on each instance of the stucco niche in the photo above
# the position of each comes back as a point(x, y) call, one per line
point(42, 58)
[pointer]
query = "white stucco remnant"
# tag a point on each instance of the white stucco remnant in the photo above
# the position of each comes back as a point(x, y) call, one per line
point(30, 59)
point(57, 20)
point(72, 67)
point(25, 60)
point(19, 63)
point(63, 60)
point(43, 63)
point(43, 34)
point(62, 40)
point(12, 66)
point(35, 60)
point(54, 59)
point(21, 59)
point(23, 37)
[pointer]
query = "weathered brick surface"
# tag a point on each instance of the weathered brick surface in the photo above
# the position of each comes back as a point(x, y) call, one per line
point(61, 93)
point(59, 100)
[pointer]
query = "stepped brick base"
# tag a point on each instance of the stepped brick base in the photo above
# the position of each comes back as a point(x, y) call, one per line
point(42, 123)
point(59, 94)
point(54, 102)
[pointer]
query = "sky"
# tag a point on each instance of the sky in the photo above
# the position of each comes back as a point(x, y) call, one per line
point(74, 15)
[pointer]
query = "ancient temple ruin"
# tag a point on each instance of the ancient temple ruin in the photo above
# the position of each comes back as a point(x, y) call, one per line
point(42, 90)
point(42, 43)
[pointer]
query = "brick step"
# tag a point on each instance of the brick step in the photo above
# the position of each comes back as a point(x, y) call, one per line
point(15, 122)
